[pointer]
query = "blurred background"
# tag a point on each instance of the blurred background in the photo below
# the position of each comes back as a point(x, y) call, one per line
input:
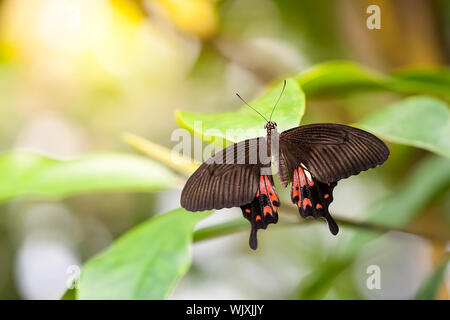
point(76, 74)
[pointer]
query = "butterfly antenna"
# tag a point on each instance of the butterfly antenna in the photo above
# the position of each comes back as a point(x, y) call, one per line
point(251, 107)
point(284, 86)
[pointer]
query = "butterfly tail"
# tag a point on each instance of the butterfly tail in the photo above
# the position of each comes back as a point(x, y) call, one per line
point(332, 225)
point(253, 240)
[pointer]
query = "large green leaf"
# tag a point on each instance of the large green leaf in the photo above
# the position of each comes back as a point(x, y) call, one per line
point(420, 121)
point(430, 287)
point(396, 209)
point(288, 114)
point(145, 263)
point(28, 174)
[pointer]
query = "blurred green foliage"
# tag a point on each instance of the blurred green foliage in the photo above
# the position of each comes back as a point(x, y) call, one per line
point(395, 210)
point(145, 263)
point(130, 73)
point(28, 174)
point(430, 287)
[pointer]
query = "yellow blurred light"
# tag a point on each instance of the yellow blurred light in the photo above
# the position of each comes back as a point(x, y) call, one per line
point(128, 9)
point(66, 26)
point(195, 17)
point(63, 36)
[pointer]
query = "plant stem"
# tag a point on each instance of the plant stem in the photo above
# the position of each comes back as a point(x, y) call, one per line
point(240, 224)
point(184, 165)
point(226, 228)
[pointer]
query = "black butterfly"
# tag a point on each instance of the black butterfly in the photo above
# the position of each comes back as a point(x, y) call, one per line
point(311, 157)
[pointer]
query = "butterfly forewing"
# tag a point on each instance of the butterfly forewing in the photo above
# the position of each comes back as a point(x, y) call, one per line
point(228, 179)
point(331, 151)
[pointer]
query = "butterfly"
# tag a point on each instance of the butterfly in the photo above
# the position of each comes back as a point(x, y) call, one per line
point(311, 158)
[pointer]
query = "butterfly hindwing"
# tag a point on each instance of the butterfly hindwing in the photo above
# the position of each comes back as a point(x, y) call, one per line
point(263, 209)
point(312, 197)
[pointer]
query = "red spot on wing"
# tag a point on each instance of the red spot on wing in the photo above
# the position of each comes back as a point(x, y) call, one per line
point(262, 185)
point(258, 218)
point(295, 186)
point(247, 210)
point(318, 206)
point(306, 202)
point(272, 194)
point(267, 210)
point(326, 196)
point(302, 177)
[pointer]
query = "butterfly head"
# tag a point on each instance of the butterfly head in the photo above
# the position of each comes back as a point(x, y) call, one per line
point(270, 126)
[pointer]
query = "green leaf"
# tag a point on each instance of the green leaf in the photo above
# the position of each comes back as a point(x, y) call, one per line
point(70, 294)
point(145, 263)
point(430, 287)
point(397, 209)
point(337, 77)
point(28, 174)
point(421, 121)
point(344, 77)
point(214, 126)
point(433, 80)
